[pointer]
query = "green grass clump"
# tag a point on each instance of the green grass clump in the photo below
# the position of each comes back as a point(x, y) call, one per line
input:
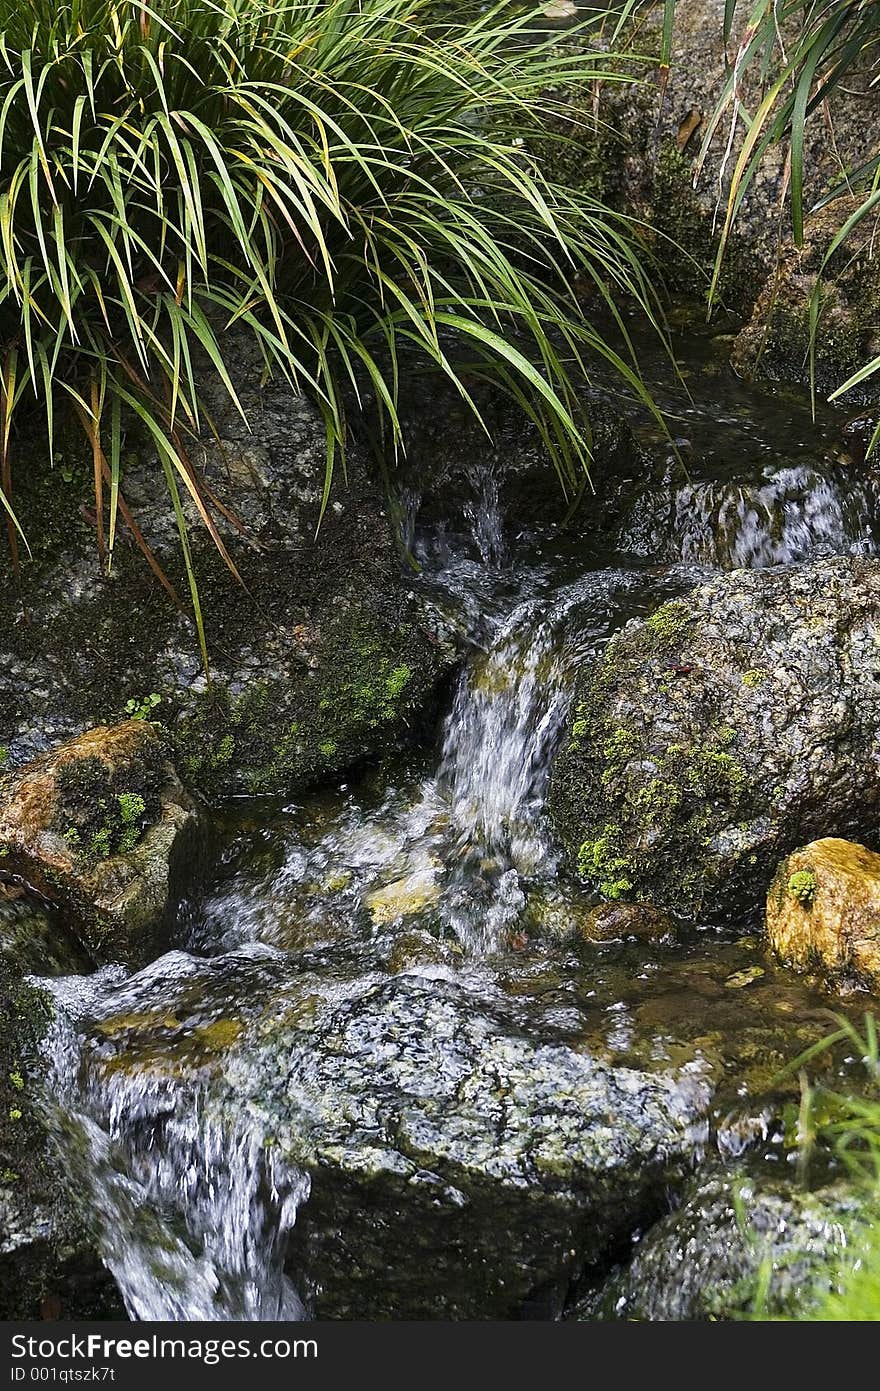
point(847, 1126)
point(340, 182)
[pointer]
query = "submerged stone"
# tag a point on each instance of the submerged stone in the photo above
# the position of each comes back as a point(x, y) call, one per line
point(608, 921)
point(97, 826)
point(458, 1167)
point(721, 732)
point(405, 897)
point(710, 1259)
point(823, 909)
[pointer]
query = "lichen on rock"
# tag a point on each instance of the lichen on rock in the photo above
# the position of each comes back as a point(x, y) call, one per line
point(729, 727)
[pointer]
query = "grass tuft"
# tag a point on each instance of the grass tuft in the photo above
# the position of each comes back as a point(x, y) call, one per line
point(339, 180)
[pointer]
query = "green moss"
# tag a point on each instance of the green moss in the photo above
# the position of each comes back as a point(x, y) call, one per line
point(617, 750)
point(276, 736)
point(667, 624)
point(650, 814)
point(101, 811)
point(4, 755)
point(802, 886)
point(397, 681)
point(602, 864)
point(719, 775)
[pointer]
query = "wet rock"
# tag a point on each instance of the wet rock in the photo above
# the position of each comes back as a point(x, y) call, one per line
point(706, 1261)
point(97, 826)
point(426, 1119)
point(775, 344)
point(403, 898)
point(412, 951)
point(34, 939)
point(609, 921)
point(325, 656)
point(721, 732)
point(46, 1258)
point(823, 909)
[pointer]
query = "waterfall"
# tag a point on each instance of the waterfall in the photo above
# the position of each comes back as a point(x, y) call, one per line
point(189, 1206)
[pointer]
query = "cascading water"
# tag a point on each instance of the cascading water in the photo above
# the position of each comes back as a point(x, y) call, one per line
point(790, 513)
point(193, 1206)
point(190, 1208)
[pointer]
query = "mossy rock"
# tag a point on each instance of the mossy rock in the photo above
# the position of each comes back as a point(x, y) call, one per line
point(823, 910)
point(730, 726)
point(99, 826)
point(710, 1259)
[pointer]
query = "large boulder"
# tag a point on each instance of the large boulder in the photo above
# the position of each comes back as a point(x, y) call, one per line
point(99, 827)
point(724, 730)
point(740, 1246)
point(324, 655)
point(458, 1167)
point(823, 909)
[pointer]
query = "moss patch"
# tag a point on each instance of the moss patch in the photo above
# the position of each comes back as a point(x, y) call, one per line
point(283, 737)
point(639, 813)
point(103, 811)
point(802, 886)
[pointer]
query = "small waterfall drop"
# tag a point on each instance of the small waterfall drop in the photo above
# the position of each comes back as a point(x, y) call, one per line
point(189, 1205)
point(792, 512)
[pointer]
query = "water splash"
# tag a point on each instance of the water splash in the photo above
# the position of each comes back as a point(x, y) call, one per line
point(190, 1208)
point(794, 512)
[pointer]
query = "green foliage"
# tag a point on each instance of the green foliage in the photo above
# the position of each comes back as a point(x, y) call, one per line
point(142, 709)
point(850, 1126)
point(803, 53)
point(132, 809)
point(338, 182)
point(802, 886)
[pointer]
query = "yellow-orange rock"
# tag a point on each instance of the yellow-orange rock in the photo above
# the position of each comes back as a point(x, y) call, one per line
point(823, 909)
point(95, 826)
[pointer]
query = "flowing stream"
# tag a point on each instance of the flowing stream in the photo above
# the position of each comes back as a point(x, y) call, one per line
point(441, 868)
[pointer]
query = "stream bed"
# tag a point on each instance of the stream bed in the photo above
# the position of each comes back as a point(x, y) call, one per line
point(385, 1071)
